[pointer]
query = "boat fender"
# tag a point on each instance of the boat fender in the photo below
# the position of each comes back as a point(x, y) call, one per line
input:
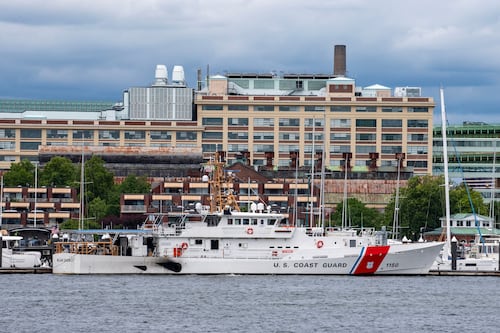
point(250, 231)
point(319, 244)
point(184, 246)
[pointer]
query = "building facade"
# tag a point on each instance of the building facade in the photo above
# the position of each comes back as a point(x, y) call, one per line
point(272, 117)
point(473, 156)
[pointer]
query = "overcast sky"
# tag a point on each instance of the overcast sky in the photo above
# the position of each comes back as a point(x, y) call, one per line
point(94, 49)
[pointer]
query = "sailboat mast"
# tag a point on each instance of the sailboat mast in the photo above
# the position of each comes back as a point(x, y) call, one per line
point(82, 188)
point(446, 176)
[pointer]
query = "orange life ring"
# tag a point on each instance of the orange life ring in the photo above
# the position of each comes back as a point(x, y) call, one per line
point(319, 244)
point(250, 231)
point(184, 246)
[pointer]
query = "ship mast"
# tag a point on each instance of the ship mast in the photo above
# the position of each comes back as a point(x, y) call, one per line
point(221, 190)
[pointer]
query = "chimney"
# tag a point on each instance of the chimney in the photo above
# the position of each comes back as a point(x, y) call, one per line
point(269, 159)
point(373, 161)
point(339, 61)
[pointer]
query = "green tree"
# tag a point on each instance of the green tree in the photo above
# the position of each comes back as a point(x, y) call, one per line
point(460, 201)
point(422, 204)
point(59, 171)
point(358, 214)
point(22, 173)
point(99, 182)
point(98, 209)
point(133, 184)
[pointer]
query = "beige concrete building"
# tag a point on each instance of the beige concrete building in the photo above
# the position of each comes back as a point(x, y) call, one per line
point(272, 117)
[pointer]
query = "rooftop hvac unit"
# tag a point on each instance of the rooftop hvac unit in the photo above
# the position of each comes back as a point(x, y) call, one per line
point(407, 92)
point(178, 75)
point(161, 75)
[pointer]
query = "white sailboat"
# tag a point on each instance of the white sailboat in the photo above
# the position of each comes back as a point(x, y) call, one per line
point(482, 257)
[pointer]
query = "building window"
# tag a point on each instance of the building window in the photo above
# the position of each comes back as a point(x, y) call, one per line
point(418, 109)
point(340, 123)
point(186, 136)
point(109, 135)
point(237, 121)
point(288, 149)
point(83, 134)
point(314, 108)
point(7, 133)
point(263, 136)
point(391, 137)
point(417, 164)
point(340, 136)
point(160, 135)
point(419, 150)
point(212, 135)
point(317, 122)
point(340, 108)
point(263, 148)
point(417, 123)
point(366, 137)
point(265, 108)
point(237, 147)
point(289, 136)
point(392, 109)
point(8, 145)
point(212, 107)
point(391, 149)
point(57, 134)
point(237, 107)
point(289, 122)
point(237, 135)
point(211, 121)
point(318, 137)
point(396, 123)
point(263, 122)
point(135, 135)
point(30, 145)
point(31, 134)
point(338, 149)
point(211, 148)
point(365, 149)
point(289, 108)
point(418, 137)
point(366, 123)
point(366, 109)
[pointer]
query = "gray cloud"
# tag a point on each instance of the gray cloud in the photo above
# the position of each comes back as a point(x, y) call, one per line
point(92, 50)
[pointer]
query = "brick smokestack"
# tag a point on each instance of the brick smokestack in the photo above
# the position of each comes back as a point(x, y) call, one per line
point(339, 61)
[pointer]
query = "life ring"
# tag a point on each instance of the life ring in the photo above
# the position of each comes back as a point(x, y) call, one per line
point(250, 231)
point(319, 244)
point(184, 246)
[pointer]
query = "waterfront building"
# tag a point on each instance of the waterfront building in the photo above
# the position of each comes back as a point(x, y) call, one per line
point(473, 154)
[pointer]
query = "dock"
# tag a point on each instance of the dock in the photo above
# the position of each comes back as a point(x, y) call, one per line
point(464, 273)
point(35, 270)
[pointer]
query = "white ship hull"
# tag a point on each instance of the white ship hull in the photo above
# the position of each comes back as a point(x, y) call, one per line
point(404, 259)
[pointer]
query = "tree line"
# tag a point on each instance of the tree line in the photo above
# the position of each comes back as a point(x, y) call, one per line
point(421, 205)
point(101, 193)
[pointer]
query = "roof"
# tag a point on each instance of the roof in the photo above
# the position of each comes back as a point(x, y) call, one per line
point(466, 231)
point(377, 87)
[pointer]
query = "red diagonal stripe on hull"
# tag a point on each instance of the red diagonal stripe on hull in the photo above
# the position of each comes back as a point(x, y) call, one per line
point(371, 260)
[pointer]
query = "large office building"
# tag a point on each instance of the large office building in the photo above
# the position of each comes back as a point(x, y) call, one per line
point(473, 156)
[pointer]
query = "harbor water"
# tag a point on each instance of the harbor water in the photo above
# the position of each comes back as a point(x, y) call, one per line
point(120, 303)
